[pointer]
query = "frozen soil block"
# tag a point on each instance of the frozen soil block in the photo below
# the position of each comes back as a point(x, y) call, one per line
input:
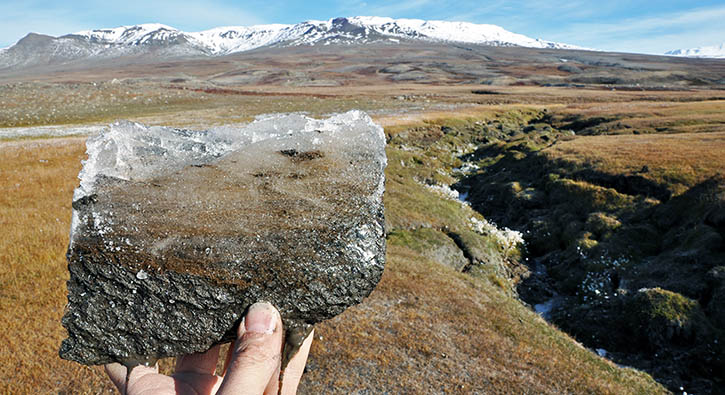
point(176, 232)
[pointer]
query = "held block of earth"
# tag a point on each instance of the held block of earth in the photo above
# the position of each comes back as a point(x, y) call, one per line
point(176, 232)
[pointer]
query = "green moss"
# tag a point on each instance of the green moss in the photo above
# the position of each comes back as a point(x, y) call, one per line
point(661, 318)
point(493, 275)
point(602, 224)
point(553, 177)
point(662, 305)
point(496, 325)
point(418, 240)
point(701, 238)
point(515, 186)
point(410, 205)
point(572, 229)
point(585, 242)
point(638, 240)
point(584, 198)
point(431, 243)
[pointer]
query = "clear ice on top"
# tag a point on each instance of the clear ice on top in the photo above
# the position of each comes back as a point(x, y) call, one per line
point(134, 152)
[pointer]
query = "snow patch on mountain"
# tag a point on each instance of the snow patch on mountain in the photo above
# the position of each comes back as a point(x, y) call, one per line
point(360, 29)
point(130, 35)
point(454, 31)
point(166, 41)
point(224, 40)
point(715, 51)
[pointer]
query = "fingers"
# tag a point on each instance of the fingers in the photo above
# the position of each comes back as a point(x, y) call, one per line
point(273, 384)
point(203, 363)
point(145, 377)
point(117, 373)
point(197, 371)
point(230, 354)
point(257, 352)
point(296, 366)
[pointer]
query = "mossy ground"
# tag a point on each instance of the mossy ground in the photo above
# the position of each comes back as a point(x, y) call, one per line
point(606, 215)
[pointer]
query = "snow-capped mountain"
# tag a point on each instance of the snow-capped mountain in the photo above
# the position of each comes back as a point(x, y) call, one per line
point(162, 40)
point(225, 40)
point(716, 51)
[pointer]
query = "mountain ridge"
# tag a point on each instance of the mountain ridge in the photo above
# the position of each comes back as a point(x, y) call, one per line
point(164, 40)
point(714, 52)
point(312, 31)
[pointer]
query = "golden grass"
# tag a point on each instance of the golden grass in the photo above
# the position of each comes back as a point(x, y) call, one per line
point(33, 104)
point(37, 179)
point(676, 160)
point(657, 114)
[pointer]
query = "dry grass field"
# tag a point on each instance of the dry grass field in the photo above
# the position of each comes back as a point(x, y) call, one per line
point(36, 183)
point(678, 161)
point(411, 335)
point(427, 327)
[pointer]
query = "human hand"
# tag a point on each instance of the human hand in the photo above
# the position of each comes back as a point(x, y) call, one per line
point(253, 364)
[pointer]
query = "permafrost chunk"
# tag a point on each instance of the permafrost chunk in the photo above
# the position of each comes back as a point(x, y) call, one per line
point(176, 232)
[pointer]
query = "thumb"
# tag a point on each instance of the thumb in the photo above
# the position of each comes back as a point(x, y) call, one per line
point(257, 352)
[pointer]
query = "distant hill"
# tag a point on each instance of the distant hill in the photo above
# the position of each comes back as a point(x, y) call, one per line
point(715, 51)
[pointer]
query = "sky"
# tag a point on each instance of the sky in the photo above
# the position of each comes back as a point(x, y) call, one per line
point(616, 25)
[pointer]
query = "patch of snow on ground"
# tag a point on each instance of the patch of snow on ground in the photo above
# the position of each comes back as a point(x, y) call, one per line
point(445, 191)
point(507, 238)
point(463, 197)
point(467, 167)
point(600, 284)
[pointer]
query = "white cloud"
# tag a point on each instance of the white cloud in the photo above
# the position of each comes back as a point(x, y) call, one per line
point(656, 34)
point(601, 26)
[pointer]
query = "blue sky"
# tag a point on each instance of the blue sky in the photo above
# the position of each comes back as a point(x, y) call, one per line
point(631, 26)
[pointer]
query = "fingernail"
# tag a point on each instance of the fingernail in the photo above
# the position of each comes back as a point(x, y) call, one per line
point(261, 318)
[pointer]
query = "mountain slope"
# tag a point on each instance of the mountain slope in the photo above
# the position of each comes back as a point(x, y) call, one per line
point(162, 40)
point(715, 51)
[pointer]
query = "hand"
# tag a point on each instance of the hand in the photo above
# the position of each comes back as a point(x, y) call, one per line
point(253, 364)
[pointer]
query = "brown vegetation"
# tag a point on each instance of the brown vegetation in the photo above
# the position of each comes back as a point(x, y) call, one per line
point(36, 185)
point(678, 161)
